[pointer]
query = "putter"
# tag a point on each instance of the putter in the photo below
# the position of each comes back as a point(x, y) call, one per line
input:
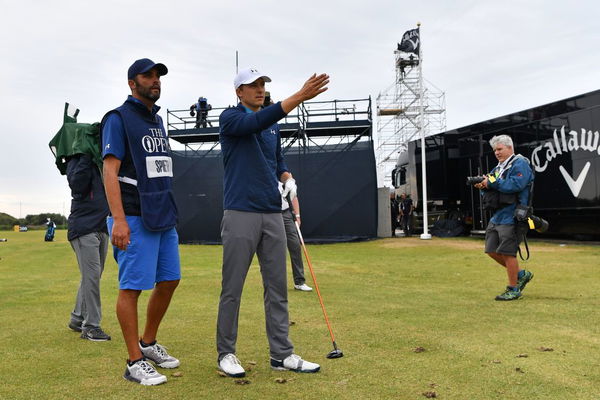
point(335, 353)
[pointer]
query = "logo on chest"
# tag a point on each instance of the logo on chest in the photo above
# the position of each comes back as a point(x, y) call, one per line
point(155, 142)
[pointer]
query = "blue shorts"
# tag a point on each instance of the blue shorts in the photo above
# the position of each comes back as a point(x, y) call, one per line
point(151, 257)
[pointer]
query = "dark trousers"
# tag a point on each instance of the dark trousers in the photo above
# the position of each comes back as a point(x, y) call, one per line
point(405, 224)
point(294, 247)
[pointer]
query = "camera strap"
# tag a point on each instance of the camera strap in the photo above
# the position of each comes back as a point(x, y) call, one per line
point(526, 246)
point(501, 167)
point(525, 226)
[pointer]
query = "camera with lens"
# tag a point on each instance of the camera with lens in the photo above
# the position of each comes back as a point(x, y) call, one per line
point(201, 108)
point(539, 224)
point(524, 215)
point(473, 180)
point(203, 105)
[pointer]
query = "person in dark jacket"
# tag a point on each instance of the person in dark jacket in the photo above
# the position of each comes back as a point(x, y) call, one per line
point(252, 222)
point(88, 236)
point(406, 211)
point(394, 213)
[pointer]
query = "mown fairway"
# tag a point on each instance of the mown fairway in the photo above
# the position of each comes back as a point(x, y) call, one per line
point(411, 316)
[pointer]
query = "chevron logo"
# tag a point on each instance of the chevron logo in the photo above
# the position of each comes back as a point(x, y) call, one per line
point(575, 184)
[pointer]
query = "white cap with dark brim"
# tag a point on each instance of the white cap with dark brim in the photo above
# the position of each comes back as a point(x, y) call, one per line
point(248, 75)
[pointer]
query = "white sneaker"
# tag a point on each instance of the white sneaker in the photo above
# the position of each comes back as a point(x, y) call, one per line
point(294, 363)
point(159, 356)
point(143, 372)
point(304, 287)
point(231, 365)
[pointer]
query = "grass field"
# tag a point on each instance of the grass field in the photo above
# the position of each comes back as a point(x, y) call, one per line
point(385, 298)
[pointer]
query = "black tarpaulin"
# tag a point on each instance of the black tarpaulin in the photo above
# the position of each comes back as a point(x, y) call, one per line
point(337, 189)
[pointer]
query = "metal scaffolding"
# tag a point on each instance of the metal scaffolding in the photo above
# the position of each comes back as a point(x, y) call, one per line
point(313, 123)
point(398, 117)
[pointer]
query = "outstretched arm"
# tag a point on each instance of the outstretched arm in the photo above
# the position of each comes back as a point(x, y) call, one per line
point(235, 122)
point(314, 86)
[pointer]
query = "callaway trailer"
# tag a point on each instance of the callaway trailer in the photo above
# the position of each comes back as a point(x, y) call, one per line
point(560, 139)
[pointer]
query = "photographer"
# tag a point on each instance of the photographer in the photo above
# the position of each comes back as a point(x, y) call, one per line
point(200, 110)
point(506, 186)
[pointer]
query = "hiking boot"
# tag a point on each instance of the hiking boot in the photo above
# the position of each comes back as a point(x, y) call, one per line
point(143, 372)
point(159, 356)
point(303, 288)
point(294, 363)
point(509, 294)
point(94, 334)
point(75, 326)
point(231, 365)
point(524, 280)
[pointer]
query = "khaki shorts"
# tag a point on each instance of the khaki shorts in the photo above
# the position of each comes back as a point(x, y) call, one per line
point(501, 239)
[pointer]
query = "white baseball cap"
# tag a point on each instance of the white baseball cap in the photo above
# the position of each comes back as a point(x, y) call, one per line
point(248, 75)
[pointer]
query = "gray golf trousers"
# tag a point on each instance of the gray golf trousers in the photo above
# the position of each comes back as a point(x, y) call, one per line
point(91, 251)
point(244, 234)
point(294, 247)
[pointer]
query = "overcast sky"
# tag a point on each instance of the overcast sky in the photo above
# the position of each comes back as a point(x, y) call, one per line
point(489, 57)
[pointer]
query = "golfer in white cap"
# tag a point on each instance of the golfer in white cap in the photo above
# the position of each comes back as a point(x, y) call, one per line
point(252, 221)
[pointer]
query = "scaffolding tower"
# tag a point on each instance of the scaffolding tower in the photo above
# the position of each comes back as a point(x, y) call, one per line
point(398, 117)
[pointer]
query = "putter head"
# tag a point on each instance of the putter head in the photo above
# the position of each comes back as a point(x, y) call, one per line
point(335, 353)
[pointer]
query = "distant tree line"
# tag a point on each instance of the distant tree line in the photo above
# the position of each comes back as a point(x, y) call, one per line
point(7, 221)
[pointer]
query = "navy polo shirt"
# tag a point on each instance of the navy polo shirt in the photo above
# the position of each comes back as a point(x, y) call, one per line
point(252, 158)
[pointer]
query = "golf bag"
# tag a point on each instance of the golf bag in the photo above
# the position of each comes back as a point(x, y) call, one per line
point(50, 232)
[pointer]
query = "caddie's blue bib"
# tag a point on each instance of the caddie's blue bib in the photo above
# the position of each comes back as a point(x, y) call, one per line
point(150, 151)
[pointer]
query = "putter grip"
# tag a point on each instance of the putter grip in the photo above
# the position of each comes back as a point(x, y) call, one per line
point(289, 200)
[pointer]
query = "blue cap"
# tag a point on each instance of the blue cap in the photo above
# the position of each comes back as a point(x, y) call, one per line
point(144, 65)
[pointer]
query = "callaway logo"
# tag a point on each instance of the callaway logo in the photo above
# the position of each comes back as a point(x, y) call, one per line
point(407, 38)
point(254, 71)
point(107, 146)
point(273, 131)
point(415, 44)
point(564, 143)
point(575, 185)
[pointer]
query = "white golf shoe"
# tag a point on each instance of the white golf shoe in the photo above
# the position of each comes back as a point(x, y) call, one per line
point(231, 365)
point(304, 287)
point(143, 372)
point(294, 363)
